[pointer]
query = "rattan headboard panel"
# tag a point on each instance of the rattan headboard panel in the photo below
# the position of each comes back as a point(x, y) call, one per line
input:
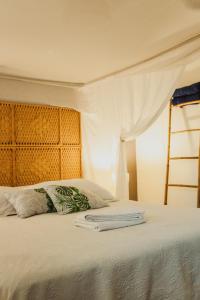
point(38, 143)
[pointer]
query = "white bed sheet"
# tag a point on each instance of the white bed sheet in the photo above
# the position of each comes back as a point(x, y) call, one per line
point(47, 257)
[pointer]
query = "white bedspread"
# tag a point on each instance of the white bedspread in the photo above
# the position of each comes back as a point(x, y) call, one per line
point(47, 258)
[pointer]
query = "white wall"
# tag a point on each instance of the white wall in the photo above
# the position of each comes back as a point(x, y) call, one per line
point(19, 91)
point(152, 154)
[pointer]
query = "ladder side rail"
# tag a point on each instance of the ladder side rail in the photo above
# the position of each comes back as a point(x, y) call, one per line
point(168, 154)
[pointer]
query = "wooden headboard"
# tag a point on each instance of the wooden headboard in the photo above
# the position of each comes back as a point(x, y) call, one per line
point(38, 143)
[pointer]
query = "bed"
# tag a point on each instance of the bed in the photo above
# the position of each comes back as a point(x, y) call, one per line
point(47, 257)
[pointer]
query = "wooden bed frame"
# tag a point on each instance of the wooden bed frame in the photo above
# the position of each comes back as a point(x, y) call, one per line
point(38, 143)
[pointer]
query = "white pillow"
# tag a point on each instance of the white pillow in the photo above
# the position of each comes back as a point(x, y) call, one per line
point(6, 208)
point(77, 182)
point(83, 184)
point(28, 202)
point(30, 187)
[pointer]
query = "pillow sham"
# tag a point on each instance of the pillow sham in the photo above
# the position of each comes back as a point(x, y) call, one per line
point(28, 203)
point(83, 184)
point(68, 199)
point(6, 208)
point(95, 200)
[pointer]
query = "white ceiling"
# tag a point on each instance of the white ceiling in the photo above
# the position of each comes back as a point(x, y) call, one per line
point(80, 40)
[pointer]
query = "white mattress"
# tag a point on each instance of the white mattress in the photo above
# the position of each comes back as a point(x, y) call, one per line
point(46, 257)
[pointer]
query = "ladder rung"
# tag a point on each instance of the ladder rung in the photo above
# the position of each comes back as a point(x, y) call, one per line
point(184, 185)
point(186, 130)
point(184, 157)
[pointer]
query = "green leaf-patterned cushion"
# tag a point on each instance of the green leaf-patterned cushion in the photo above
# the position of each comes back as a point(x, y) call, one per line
point(51, 207)
point(67, 199)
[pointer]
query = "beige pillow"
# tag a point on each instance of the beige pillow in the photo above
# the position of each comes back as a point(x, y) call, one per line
point(94, 199)
point(28, 203)
point(81, 183)
point(6, 208)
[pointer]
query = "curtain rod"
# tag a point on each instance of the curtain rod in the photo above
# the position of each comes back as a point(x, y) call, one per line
point(41, 81)
point(193, 38)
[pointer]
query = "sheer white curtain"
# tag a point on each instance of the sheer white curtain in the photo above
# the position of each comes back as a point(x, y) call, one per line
point(124, 106)
point(147, 97)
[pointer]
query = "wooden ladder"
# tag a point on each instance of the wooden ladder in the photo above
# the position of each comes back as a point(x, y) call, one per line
point(167, 184)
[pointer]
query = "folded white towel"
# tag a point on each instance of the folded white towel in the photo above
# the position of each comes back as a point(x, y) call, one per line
point(110, 218)
point(102, 226)
point(113, 214)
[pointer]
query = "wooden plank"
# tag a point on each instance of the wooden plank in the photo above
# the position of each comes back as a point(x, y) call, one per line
point(132, 169)
point(183, 185)
point(184, 157)
point(186, 130)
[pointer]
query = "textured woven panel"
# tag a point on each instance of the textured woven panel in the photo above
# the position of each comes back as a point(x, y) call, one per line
point(70, 127)
point(6, 167)
point(71, 162)
point(5, 124)
point(36, 125)
point(36, 165)
point(37, 144)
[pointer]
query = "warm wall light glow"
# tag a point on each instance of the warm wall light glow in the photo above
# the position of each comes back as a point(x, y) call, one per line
point(151, 161)
point(152, 145)
point(114, 177)
point(104, 161)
